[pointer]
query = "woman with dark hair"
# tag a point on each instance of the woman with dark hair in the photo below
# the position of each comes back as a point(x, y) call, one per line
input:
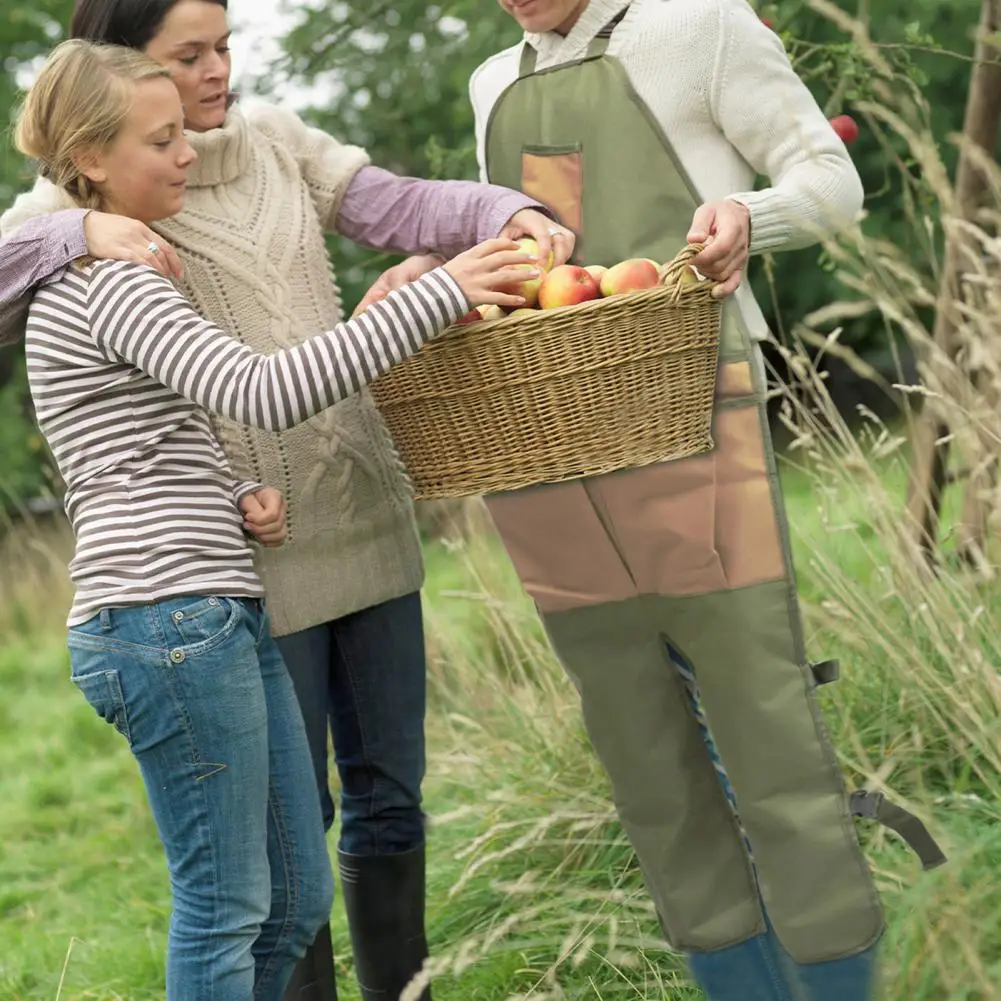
point(343, 592)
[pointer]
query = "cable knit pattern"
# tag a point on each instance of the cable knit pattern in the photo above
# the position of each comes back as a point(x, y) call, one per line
point(262, 191)
point(721, 87)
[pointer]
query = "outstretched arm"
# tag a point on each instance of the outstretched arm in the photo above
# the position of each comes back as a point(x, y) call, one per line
point(401, 215)
point(137, 316)
point(407, 215)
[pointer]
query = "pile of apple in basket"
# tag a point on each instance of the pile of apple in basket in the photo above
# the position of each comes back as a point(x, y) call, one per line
point(612, 368)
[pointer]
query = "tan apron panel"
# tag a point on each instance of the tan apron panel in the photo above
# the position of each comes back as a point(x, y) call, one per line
point(688, 527)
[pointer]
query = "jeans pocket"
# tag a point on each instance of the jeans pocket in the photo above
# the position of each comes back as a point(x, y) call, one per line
point(103, 690)
point(202, 620)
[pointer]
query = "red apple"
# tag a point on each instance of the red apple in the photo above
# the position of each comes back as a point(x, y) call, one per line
point(473, 316)
point(846, 127)
point(596, 271)
point(630, 276)
point(567, 285)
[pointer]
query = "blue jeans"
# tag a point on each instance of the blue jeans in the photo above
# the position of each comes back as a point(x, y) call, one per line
point(364, 676)
point(197, 687)
point(761, 970)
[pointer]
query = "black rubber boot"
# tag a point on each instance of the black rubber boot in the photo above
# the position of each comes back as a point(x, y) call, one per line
point(313, 977)
point(384, 900)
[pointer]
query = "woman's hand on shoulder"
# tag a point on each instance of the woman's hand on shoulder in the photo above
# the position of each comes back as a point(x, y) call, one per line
point(118, 238)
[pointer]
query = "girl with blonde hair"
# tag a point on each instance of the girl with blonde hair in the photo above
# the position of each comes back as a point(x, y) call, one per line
point(168, 635)
point(344, 592)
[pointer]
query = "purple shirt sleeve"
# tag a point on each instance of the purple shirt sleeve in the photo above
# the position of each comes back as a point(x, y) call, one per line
point(407, 215)
point(40, 251)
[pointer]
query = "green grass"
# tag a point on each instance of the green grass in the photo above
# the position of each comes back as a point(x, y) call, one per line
point(532, 887)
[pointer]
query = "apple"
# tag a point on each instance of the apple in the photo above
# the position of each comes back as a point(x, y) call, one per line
point(567, 285)
point(528, 246)
point(521, 310)
point(529, 289)
point(473, 316)
point(630, 276)
point(846, 127)
point(492, 312)
point(596, 271)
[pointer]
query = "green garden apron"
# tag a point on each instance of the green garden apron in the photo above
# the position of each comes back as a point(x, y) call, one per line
point(680, 571)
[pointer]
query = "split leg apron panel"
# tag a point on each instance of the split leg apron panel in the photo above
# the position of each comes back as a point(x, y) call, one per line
point(729, 614)
point(681, 568)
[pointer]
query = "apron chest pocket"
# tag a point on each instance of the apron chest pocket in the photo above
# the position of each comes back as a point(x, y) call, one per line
point(554, 176)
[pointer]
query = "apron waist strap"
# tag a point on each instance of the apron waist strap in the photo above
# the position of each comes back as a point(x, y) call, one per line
point(875, 806)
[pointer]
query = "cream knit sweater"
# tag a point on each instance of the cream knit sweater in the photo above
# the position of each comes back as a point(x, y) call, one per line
point(721, 86)
point(261, 193)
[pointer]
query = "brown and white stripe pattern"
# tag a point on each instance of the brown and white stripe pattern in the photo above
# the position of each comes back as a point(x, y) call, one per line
point(122, 371)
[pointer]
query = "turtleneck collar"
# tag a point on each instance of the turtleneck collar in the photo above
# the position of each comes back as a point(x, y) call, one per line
point(593, 18)
point(223, 153)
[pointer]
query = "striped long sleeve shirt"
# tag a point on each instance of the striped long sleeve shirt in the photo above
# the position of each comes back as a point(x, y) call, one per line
point(122, 371)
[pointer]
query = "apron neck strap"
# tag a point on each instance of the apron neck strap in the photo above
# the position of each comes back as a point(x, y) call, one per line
point(598, 46)
point(529, 57)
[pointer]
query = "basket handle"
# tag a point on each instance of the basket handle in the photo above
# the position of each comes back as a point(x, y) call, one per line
point(670, 273)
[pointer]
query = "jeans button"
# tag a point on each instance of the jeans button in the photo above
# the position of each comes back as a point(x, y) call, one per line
point(178, 616)
point(177, 656)
point(213, 601)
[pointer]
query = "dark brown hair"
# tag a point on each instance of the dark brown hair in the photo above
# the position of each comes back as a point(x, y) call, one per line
point(133, 23)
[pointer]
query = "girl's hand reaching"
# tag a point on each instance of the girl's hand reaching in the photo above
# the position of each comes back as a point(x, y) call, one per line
point(485, 271)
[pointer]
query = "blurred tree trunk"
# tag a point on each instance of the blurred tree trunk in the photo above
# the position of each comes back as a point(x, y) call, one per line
point(931, 437)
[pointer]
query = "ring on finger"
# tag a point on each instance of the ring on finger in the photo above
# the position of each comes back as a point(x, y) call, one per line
point(152, 248)
point(553, 231)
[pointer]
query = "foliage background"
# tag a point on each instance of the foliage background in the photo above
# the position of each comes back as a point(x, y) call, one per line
point(396, 79)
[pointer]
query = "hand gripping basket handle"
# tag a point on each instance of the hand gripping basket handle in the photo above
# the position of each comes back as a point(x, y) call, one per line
point(671, 273)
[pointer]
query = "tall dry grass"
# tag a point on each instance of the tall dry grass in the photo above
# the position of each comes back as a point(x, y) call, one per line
point(543, 870)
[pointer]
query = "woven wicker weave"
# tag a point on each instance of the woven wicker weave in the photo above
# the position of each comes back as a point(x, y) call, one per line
point(577, 391)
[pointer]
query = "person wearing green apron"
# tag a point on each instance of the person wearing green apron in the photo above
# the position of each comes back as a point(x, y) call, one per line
point(668, 591)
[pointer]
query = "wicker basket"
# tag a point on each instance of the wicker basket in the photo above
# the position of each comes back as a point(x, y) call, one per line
point(571, 392)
